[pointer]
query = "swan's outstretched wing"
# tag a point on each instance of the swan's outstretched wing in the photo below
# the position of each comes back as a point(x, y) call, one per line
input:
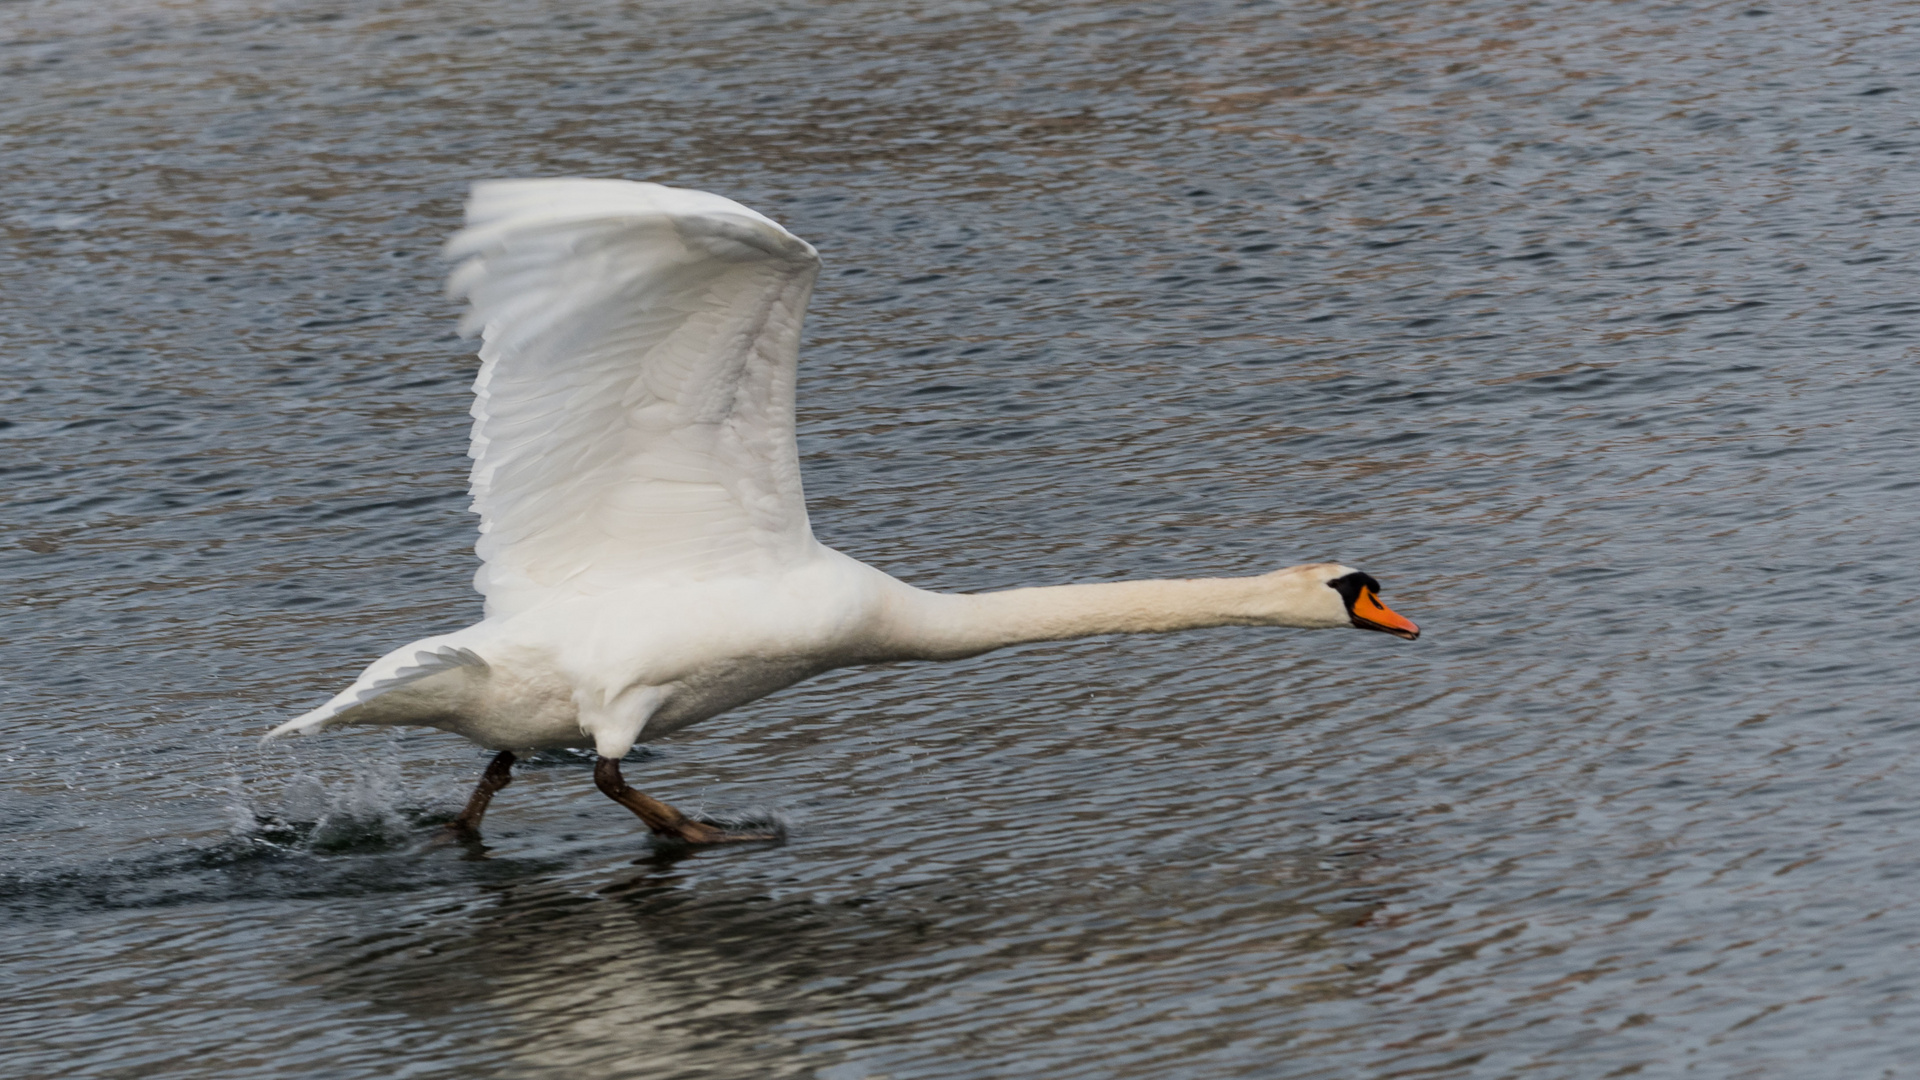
point(634, 411)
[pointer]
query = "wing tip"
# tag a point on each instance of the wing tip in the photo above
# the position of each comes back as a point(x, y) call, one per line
point(305, 724)
point(403, 666)
point(499, 208)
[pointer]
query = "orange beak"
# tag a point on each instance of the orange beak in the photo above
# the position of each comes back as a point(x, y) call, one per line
point(1370, 614)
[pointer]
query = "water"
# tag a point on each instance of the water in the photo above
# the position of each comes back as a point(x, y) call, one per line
point(1588, 329)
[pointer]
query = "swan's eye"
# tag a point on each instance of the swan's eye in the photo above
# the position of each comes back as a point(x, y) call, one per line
point(1349, 586)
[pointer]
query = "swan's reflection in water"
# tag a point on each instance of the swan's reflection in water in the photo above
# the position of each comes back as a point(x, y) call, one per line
point(637, 975)
point(655, 971)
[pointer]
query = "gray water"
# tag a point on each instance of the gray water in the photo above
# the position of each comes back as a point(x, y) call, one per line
point(1589, 329)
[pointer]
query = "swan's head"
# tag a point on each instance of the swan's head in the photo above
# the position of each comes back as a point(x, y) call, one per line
point(1328, 594)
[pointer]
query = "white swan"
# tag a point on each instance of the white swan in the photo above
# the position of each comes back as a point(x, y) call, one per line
point(645, 553)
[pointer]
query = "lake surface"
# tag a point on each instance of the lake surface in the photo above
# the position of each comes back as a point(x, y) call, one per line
point(1589, 329)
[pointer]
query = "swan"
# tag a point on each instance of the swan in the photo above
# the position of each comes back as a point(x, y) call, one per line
point(645, 555)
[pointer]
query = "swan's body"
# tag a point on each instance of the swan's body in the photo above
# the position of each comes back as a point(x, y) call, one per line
point(646, 557)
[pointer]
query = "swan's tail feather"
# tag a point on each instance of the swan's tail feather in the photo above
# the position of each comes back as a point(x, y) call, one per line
point(399, 668)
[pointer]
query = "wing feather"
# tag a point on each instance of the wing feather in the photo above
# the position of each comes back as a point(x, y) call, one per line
point(633, 415)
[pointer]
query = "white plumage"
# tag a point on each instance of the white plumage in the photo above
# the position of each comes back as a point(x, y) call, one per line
point(645, 552)
point(634, 409)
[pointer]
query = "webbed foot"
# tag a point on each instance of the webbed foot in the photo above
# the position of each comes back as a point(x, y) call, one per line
point(662, 820)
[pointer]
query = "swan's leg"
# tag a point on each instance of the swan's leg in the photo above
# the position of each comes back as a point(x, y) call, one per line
point(664, 820)
point(498, 775)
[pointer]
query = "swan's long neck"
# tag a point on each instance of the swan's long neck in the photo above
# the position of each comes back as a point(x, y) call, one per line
point(945, 626)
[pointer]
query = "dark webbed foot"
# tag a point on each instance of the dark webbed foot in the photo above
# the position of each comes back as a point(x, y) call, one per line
point(663, 820)
point(498, 775)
